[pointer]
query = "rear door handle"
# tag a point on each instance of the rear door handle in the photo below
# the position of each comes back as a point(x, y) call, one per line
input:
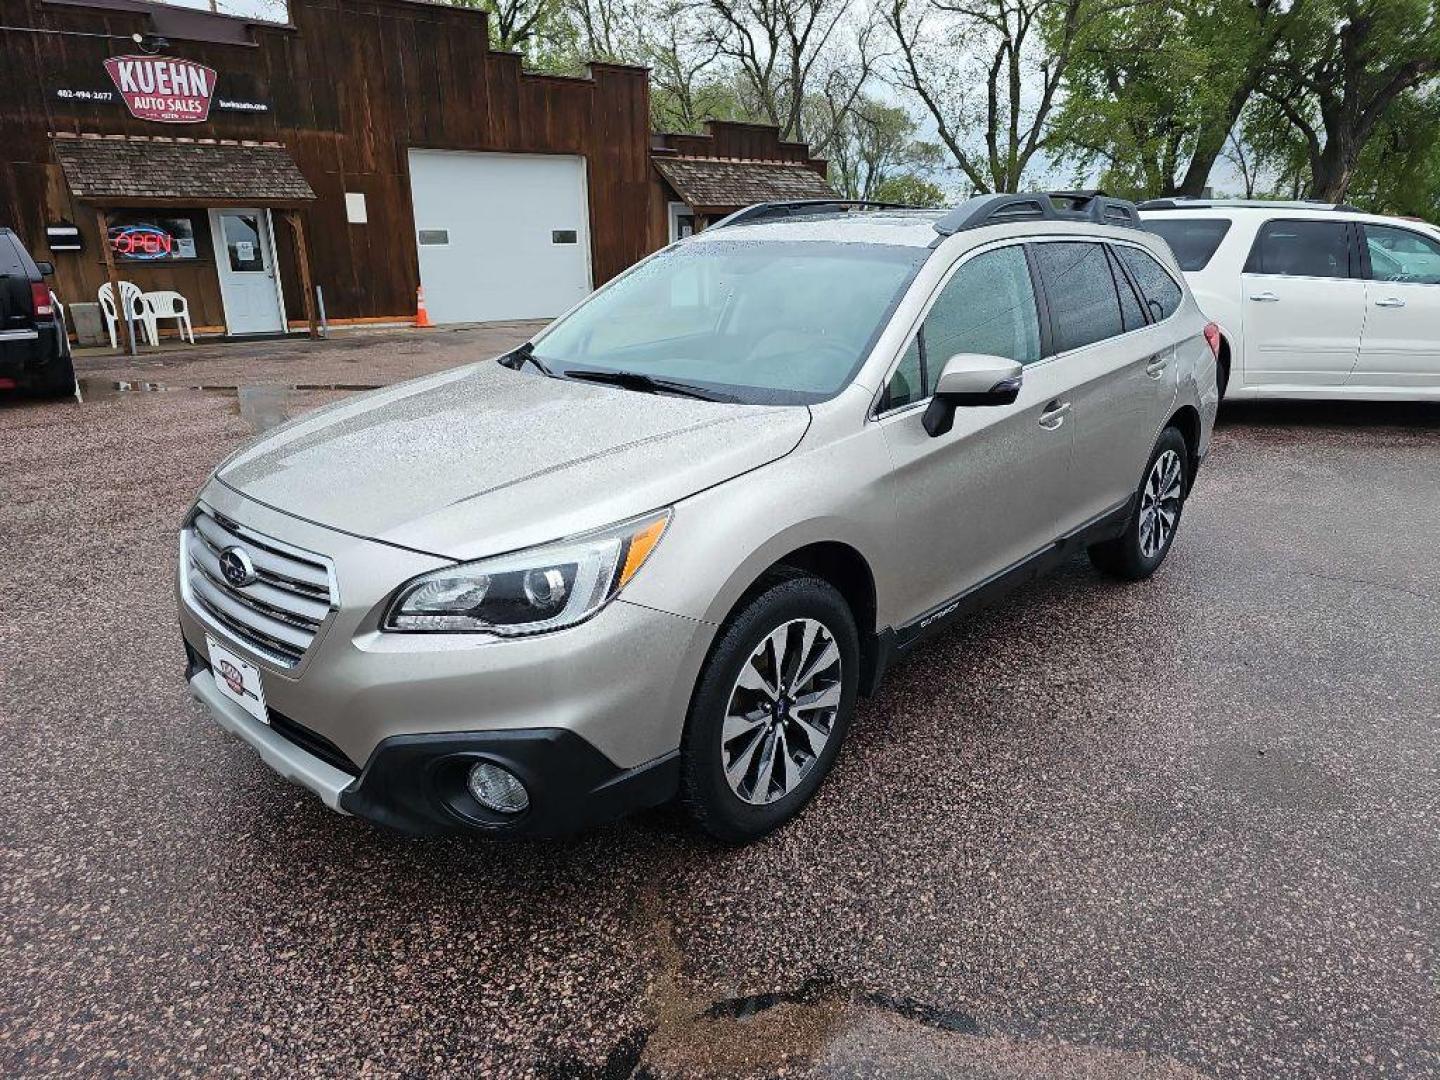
point(1054, 415)
point(1156, 365)
point(1390, 301)
point(1265, 298)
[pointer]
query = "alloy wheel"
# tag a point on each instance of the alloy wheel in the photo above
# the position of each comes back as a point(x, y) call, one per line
point(1160, 503)
point(782, 711)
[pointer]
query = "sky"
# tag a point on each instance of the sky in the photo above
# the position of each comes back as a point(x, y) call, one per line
point(260, 10)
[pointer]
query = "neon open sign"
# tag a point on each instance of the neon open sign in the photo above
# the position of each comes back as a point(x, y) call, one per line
point(141, 242)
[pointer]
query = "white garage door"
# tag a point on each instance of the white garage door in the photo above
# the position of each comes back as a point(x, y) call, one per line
point(501, 236)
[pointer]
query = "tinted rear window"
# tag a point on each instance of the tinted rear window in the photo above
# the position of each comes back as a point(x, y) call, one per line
point(1133, 314)
point(1162, 295)
point(1301, 249)
point(1193, 240)
point(10, 262)
point(1084, 306)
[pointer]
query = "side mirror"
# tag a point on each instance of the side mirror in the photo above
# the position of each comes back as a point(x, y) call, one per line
point(971, 379)
point(47, 269)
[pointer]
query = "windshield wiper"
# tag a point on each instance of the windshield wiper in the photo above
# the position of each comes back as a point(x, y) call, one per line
point(524, 354)
point(648, 384)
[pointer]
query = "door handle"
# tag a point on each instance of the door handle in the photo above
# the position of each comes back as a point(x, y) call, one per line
point(1265, 298)
point(1054, 415)
point(1156, 365)
point(1390, 301)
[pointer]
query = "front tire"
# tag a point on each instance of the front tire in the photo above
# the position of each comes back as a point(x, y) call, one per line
point(1138, 552)
point(771, 708)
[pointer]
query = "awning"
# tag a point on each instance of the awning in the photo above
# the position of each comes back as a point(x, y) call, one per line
point(718, 185)
point(155, 171)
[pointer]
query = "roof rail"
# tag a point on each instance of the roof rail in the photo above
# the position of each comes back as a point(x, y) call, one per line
point(797, 207)
point(1093, 206)
point(1181, 202)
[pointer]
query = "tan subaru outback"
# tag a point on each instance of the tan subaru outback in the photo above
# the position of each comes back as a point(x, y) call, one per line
point(658, 551)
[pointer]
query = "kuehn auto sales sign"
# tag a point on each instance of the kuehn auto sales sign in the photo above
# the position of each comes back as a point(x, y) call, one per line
point(163, 88)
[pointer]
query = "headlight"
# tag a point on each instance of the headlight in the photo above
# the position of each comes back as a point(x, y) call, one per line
point(529, 592)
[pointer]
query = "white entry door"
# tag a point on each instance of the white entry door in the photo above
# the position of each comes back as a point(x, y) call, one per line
point(500, 236)
point(249, 279)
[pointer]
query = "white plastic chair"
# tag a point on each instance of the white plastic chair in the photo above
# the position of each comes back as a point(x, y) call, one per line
point(168, 305)
point(131, 299)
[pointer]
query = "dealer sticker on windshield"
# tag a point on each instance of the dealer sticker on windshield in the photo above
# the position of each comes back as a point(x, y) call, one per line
point(237, 680)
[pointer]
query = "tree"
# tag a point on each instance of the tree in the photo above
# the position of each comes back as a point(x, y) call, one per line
point(516, 25)
point(1017, 51)
point(1338, 72)
point(1243, 160)
point(1154, 91)
point(910, 190)
point(1399, 170)
point(874, 143)
point(684, 90)
point(786, 52)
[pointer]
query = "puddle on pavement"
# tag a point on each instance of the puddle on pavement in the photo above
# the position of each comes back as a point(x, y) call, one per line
point(262, 407)
point(823, 1027)
point(99, 389)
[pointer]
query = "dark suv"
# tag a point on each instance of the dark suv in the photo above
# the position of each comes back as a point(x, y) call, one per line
point(34, 351)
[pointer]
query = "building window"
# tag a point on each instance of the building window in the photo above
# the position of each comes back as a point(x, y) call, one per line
point(682, 221)
point(148, 236)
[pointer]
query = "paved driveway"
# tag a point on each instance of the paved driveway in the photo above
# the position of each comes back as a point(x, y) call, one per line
point(1179, 829)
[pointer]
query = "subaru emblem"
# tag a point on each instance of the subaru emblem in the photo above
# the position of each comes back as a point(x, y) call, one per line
point(235, 564)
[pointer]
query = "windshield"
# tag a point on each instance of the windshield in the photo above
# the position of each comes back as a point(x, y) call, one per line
point(754, 321)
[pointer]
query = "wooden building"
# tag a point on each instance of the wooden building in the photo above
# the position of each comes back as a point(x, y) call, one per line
point(364, 147)
point(700, 178)
point(358, 97)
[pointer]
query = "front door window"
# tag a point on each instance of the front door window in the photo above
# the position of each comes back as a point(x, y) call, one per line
point(243, 247)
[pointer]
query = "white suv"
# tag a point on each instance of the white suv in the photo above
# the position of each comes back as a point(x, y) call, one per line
point(1312, 300)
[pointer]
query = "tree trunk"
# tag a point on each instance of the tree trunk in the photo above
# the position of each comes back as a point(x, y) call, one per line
point(1209, 142)
point(1332, 171)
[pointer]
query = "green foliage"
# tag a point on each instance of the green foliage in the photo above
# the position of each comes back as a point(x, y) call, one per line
point(1399, 169)
point(910, 189)
point(870, 143)
point(1340, 70)
point(1153, 90)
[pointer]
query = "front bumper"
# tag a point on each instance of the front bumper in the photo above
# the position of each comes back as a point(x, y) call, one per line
point(416, 783)
point(285, 757)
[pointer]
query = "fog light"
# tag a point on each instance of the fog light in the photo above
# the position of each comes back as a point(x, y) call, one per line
point(497, 789)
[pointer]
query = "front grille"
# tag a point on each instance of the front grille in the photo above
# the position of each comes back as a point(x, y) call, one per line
point(278, 614)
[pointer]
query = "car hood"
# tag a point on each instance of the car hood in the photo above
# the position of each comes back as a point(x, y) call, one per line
point(484, 459)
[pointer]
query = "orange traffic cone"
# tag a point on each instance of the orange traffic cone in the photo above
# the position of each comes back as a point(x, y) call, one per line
point(422, 317)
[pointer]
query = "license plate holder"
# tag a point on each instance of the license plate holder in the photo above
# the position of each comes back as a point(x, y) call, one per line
point(238, 680)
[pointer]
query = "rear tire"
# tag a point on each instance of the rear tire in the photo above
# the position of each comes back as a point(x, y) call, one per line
point(1138, 551)
point(771, 709)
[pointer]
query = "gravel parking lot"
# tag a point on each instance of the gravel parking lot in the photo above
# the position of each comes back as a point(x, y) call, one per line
point(1187, 828)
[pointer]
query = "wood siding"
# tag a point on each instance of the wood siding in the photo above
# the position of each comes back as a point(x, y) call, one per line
point(722, 139)
point(352, 86)
point(732, 139)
